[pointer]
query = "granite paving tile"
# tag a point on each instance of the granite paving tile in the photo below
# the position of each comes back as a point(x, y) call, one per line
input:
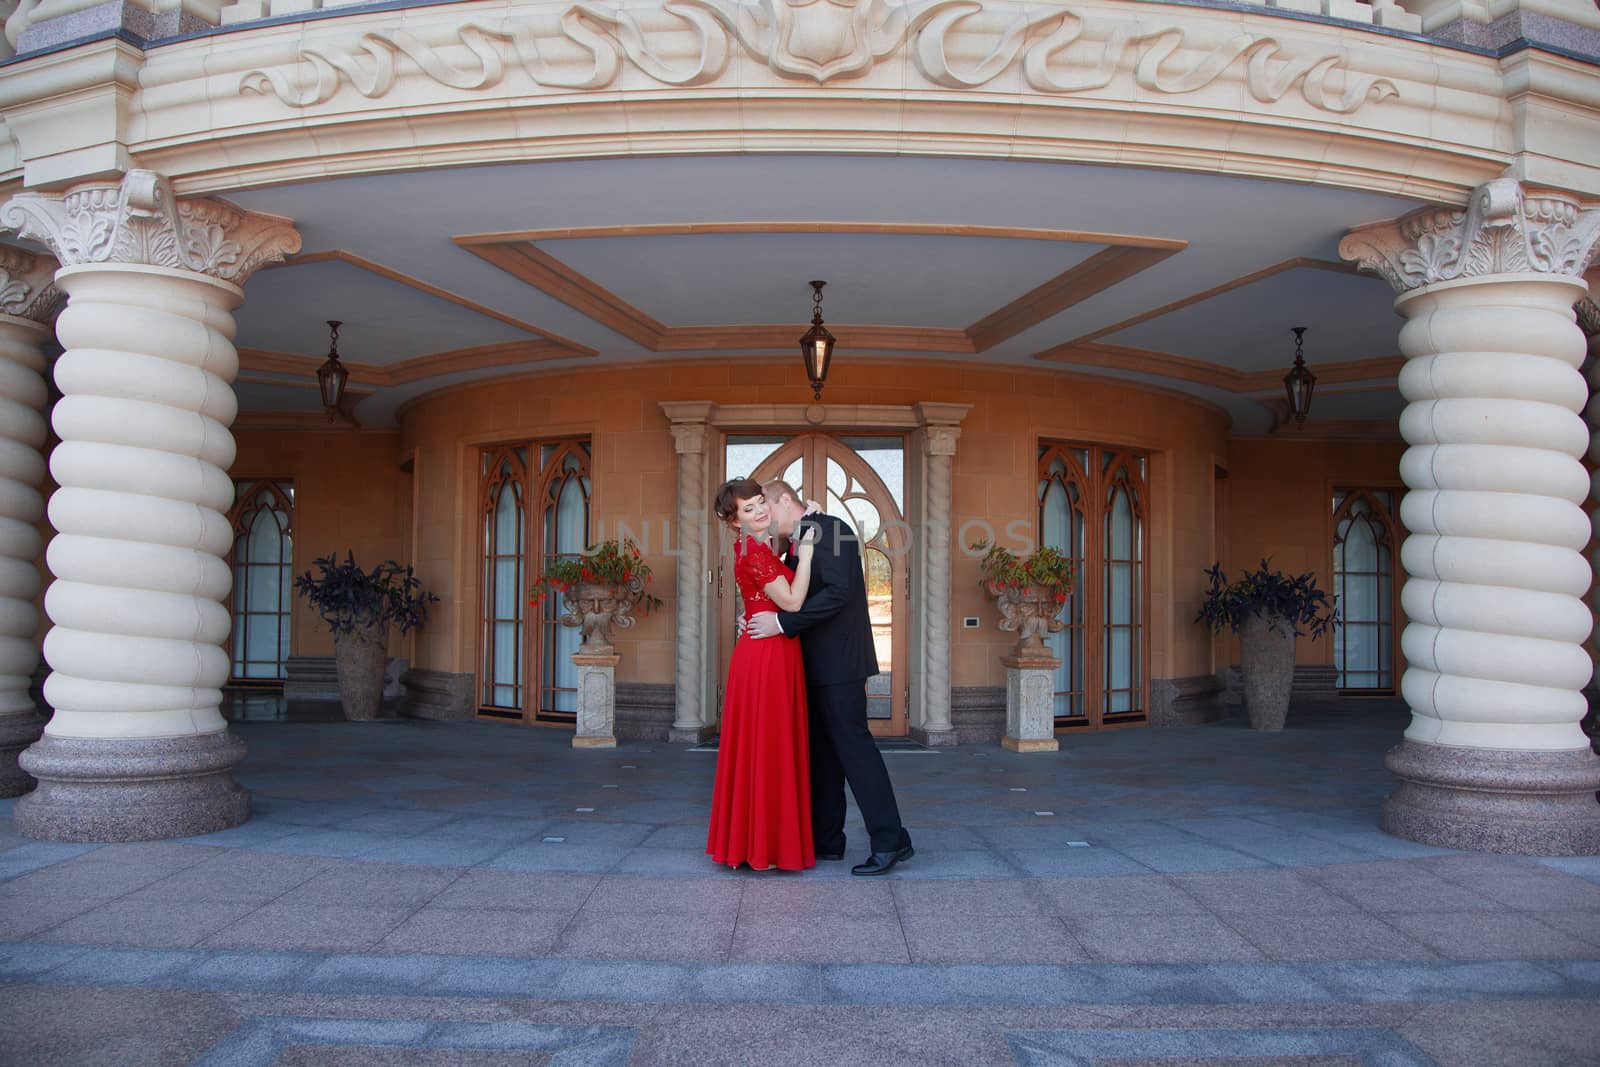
point(1537, 889)
point(1014, 898)
point(235, 876)
point(1174, 858)
point(22, 914)
point(647, 936)
point(1483, 936)
point(523, 890)
point(617, 894)
point(1261, 890)
point(539, 856)
point(1527, 1033)
point(1337, 936)
point(392, 885)
point(1582, 924)
point(101, 881)
point(314, 927)
point(477, 932)
point(1150, 894)
point(147, 923)
point(1160, 939)
point(1078, 862)
point(1397, 886)
point(817, 938)
point(990, 939)
point(774, 895)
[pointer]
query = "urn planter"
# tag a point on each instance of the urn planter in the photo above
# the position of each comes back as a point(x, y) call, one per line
point(1031, 611)
point(598, 607)
point(359, 657)
point(1266, 662)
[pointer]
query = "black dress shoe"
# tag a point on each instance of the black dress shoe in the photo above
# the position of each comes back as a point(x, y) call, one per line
point(831, 857)
point(882, 862)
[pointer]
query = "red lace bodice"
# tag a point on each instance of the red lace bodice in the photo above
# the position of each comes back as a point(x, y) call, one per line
point(754, 566)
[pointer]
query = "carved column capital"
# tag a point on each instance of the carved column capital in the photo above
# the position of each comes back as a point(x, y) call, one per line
point(1505, 229)
point(1588, 317)
point(139, 221)
point(689, 438)
point(941, 440)
point(27, 285)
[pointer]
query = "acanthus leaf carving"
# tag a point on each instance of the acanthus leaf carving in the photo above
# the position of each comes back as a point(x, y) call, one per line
point(138, 220)
point(27, 285)
point(1503, 230)
point(821, 40)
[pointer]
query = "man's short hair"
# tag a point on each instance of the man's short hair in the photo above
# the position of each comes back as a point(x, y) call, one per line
point(777, 488)
point(726, 503)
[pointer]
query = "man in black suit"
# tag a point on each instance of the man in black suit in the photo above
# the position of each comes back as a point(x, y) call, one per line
point(836, 644)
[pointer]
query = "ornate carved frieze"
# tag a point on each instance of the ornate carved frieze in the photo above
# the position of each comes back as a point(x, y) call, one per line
point(957, 44)
point(1503, 230)
point(138, 220)
point(27, 285)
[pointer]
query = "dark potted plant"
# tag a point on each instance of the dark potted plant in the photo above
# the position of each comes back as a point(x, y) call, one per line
point(599, 589)
point(1267, 609)
point(359, 607)
point(1030, 592)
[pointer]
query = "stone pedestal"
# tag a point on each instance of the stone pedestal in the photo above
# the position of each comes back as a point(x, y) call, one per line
point(138, 747)
point(1030, 704)
point(1494, 757)
point(597, 701)
point(27, 303)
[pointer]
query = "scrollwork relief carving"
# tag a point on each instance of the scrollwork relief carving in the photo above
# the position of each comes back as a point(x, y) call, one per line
point(1503, 230)
point(27, 285)
point(821, 40)
point(138, 220)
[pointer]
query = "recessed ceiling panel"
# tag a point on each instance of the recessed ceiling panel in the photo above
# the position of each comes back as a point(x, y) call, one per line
point(261, 396)
point(1380, 404)
point(873, 279)
point(286, 309)
point(1346, 316)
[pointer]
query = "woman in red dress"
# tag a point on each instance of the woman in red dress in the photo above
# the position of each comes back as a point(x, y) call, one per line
point(761, 803)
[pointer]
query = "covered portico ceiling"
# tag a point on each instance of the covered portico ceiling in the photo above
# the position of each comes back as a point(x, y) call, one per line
point(1188, 281)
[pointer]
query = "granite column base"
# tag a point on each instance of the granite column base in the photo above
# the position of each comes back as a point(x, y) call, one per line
point(120, 789)
point(1495, 800)
point(17, 732)
point(945, 738)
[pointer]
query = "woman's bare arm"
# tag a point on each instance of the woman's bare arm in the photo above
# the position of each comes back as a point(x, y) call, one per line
point(790, 595)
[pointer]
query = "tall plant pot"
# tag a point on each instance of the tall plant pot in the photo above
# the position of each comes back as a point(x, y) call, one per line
point(359, 658)
point(1266, 660)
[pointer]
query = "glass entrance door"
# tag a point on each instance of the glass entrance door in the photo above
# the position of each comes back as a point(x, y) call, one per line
point(860, 479)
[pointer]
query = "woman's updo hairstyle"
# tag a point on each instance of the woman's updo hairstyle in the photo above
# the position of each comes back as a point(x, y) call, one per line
point(733, 491)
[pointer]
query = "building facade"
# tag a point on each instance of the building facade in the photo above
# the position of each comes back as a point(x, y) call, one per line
point(570, 247)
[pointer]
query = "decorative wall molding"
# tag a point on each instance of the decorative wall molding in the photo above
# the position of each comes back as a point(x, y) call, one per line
point(1503, 230)
point(1060, 51)
point(27, 285)
point(139, 221)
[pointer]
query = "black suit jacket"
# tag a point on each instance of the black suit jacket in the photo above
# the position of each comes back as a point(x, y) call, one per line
point(835, 633)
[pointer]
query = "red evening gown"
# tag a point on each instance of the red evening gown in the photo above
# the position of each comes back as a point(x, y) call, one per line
point(761, 804)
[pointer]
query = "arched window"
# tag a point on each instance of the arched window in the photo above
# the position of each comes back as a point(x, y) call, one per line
point(1093, 504)
point(1364, 581)
point(263, 572)
point(533, 508)
point(505, 595)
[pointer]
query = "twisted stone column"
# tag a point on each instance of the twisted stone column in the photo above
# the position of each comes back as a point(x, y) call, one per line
point(939, 449)
point(28, 301)
point(690, 434)
point(1494, 758)
point(138, 748)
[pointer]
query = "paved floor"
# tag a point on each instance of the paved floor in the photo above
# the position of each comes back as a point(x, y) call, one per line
point(482, 895)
